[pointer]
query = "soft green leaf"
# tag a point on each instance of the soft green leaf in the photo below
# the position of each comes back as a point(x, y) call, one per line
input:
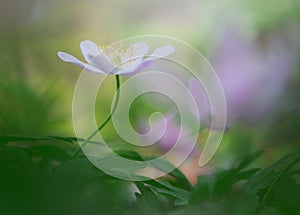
point(49, 151)
point(204, 208)
point(147, 200)
point(266, 176)
point(181, 202)
point(168, 189)
point(79, 168)
point(225, 179)
point(11, 138)
point(122, 168)
point(284, 192)
point(248, 173)
point(166, 166)
point(132, 155)
point(269, 211)
point(249, 159)
point(203, 190)
point(240, 202)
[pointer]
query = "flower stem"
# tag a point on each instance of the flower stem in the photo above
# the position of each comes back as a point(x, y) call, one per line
point(107, 119)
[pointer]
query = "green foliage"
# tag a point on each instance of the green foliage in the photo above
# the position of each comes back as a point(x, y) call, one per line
point(148, 200)
point(40, 176)
point(272, 190)
point(16, 109)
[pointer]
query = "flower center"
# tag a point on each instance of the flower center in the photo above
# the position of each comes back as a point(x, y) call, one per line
point(118, 55)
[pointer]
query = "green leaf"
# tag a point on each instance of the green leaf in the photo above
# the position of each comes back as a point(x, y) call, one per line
point(12, 138)
point(48, 151)
point(225, 179)
point(248, 173)
point(269, 211)
point(20, 182)
point(249, 159)
point(13, 159)
point(203, 190)
point(180, 202)
point(283, 191)
point(266, 176)
point(286, 192)
point(123, 168)
point(241, 202)
point(132, 155)
point(204, 208)
point(147, 200)
point(166, 166)
point(79, 169)
point(169, 190)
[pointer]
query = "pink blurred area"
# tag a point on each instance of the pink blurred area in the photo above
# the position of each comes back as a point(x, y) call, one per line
point(255, 73)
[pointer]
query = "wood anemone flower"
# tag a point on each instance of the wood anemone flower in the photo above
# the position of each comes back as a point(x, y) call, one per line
point(117, 61)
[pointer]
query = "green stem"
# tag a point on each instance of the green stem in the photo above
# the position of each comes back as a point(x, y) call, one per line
point(107, 119)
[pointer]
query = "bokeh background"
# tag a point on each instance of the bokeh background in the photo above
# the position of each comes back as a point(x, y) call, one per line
point(253, 45)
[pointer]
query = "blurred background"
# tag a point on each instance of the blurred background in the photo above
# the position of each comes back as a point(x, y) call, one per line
point(253, 46)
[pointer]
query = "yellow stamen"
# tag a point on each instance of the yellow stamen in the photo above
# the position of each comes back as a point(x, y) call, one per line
point(115, 55)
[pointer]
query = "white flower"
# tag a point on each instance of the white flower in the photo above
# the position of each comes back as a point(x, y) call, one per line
point(111, 60)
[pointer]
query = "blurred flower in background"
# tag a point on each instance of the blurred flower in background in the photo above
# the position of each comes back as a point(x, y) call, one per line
point(173, 134)
point(177, 140)
point(254, 75)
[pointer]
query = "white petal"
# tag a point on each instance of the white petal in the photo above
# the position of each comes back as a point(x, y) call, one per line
point(138, 49)
point(140, 64)
point(162, 51)
point(133, 57)
point(68, 58)
point(89, 49)
point(71, 59)
point(139, 67)
point(100, 61)
point(132, 66)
